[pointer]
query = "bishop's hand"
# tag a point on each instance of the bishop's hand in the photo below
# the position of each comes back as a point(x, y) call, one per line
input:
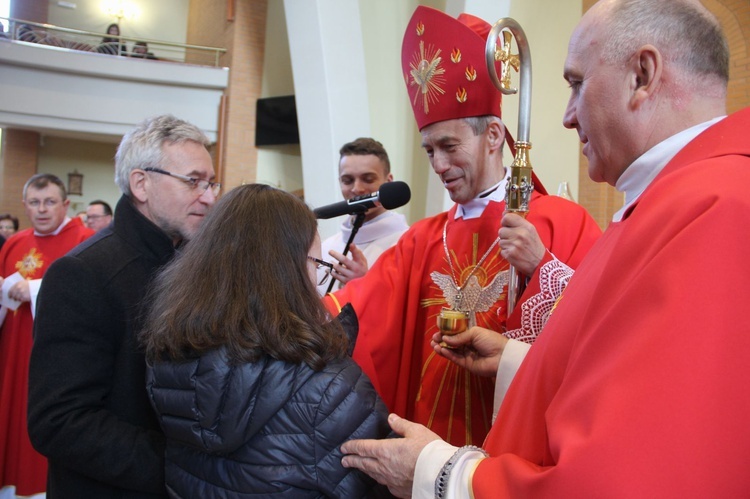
point(477, 350)
point(520, 244)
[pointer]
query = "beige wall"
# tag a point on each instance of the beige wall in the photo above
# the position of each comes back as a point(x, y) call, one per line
point(95, 160)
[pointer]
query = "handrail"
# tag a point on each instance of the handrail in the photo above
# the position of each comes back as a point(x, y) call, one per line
point(14, 24)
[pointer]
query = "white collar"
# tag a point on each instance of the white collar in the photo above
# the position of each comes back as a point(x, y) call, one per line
point(57, 231)
point(475, 207)
point(643, 170)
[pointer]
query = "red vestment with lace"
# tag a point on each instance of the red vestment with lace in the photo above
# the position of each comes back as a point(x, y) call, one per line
point(397, 303)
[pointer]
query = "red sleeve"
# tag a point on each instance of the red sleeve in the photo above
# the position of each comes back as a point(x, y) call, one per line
point(385, 301)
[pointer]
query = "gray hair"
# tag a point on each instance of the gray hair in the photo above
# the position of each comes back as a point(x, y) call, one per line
point(142, 146)
point(479, 124)
point(686, 34)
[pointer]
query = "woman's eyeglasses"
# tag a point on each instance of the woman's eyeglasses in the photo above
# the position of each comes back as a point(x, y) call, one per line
point(322, 264)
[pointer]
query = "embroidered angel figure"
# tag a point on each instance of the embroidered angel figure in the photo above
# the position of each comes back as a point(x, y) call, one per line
point(471, 297)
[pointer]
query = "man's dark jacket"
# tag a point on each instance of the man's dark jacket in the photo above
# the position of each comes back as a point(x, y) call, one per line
point(88, 409)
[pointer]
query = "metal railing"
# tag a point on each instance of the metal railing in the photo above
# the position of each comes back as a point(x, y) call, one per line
point(87, 41)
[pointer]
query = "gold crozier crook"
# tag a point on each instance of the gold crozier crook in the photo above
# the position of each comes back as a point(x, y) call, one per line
point(520, 186)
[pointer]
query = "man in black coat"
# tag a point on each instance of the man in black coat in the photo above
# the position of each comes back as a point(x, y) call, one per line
point(88, 409)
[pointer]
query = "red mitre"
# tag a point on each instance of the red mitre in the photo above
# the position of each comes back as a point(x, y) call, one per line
point(444, 67)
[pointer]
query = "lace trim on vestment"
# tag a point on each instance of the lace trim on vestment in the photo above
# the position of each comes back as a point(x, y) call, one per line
point(553, 278)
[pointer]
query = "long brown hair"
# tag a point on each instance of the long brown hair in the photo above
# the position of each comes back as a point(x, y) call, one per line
point(243, 283)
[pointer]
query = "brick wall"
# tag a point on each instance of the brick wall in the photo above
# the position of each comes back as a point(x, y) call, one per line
point(602, 200)
point(20, 155)
point(734, 16)
point(244, 37)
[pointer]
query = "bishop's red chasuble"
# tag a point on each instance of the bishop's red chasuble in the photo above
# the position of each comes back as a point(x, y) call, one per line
point(397, 303)
point(30, 255)
point(638, 386)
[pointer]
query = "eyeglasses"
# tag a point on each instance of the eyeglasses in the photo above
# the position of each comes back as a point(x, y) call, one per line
point(321, 264)
point(94, 217)
point(196, 183)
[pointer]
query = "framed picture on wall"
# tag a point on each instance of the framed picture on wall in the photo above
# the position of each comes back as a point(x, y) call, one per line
point(75, 183)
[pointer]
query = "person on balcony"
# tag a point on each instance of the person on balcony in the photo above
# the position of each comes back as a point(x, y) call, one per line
point(113, 46)
point(140, 50)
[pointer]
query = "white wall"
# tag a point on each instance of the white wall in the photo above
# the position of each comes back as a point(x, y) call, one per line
point(58, 89)
point(391, 120)
point(383, 25)
point(555, 150)
point(280, 166)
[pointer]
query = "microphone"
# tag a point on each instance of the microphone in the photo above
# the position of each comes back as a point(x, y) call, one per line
point(391, 195)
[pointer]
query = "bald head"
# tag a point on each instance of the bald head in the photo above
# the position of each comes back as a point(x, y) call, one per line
point(641, 71)
point(688, 36)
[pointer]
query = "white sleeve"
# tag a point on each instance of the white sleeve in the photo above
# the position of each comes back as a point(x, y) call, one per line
point(34, 285)
point(513, 354)
point(430, 463)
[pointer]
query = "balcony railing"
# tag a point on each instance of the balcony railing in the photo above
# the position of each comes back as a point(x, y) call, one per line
point(87, 41)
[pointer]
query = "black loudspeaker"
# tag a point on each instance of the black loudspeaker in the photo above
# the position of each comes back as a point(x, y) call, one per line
point(276, 121)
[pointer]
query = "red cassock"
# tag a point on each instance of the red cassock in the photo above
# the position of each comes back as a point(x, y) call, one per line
point(398, 301)
point(638, 386)
point(30, 255)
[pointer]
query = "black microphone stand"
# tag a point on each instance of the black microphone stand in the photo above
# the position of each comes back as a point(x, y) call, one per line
point(359, 219)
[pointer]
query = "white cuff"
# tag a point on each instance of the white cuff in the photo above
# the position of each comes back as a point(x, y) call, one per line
point(34, 285)
point(513, 354)
point(430, 463)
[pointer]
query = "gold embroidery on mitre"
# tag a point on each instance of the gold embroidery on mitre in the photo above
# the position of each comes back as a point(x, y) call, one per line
point(420, 28)
point(456, 56)
point(471, 73)
point(427, 75)
point(461, 95)
point(29, 263)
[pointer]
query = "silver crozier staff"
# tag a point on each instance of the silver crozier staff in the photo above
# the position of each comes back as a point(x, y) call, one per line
point(520, 184)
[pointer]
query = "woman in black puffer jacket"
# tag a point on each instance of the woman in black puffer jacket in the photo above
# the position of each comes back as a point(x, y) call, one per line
point(249, 376)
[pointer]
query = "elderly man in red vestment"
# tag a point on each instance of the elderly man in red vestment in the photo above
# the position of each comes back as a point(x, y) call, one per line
point(456, 259)
point(636, 387)
point(24, 258)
